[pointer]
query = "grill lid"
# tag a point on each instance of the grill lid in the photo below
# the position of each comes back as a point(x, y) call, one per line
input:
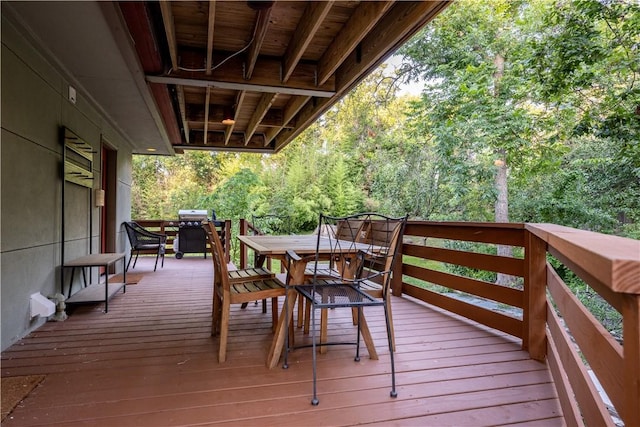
point(192, 214)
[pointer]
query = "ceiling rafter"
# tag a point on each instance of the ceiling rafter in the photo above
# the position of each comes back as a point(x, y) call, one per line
point(361, 22)
point(292, 108)
point(314, 15)
point(382, 40)
point(260, 32)
point(183, 112)
point(271, 85)
point(207, 98)
point(238, 140)
point(170, 31)
point(210, 32)
point(263, 106)
point(238, 106)
point(285, 62)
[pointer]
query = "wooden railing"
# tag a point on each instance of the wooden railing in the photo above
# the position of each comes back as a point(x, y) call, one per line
point(540, 310)
point(557, 328)
point(171, 228)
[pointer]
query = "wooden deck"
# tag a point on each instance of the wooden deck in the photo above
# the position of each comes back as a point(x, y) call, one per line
point(151, 361)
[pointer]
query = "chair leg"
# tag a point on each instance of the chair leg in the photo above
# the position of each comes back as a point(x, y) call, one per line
point(359, 326)
point(287, 337)
point(274, 313)
point(156, 264)
point(314, 399)
point(393, 333)
point(224, 332)
point(301, 318)
point(130, 258)
point(136, 260)
point(215, 320)
point(363, 327)
point(307, 317)
point(387, 319)
point(324, 321)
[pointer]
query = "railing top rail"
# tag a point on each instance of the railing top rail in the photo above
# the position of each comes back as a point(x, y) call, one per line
point(613, 260)
point(509, 225)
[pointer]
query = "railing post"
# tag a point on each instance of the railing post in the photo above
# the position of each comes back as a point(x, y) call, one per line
point(535, 299)
point(243, 248)
point(396, 276)
point(631, 350)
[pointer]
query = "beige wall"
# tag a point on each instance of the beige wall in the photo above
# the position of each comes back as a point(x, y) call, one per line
point(34, 110)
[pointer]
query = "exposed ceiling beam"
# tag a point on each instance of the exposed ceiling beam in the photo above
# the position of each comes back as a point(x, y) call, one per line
point(292, 108)
point(390, 33)
point(163, 99)
point(212, 20)
point(226, 148)
point(308, 113)
point(170, 31)
point(273, 118)
point(240, 97)
point(260, 32)
point(216, 139)
point(266, 85)
point(366, 17)
point(207, 98)
point(267, 73)
point(261, 109)
point(314, 15)
point(382, 41)
point(183, 112)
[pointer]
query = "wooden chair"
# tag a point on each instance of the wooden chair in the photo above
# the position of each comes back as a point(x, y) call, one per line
point(271, 224)
point(357, 261)
point(378, 235)
point(237, 287)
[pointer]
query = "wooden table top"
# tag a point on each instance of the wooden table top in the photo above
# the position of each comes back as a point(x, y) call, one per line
point(279, 245)
point(305, 244)
point(94, 260)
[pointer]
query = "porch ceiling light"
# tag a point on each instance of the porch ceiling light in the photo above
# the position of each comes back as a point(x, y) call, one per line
point(227, 118)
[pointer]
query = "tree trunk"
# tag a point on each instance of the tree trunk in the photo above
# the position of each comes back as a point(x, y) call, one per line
point(502, 200)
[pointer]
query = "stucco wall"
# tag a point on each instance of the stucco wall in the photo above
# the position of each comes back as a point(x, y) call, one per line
point(35, 107)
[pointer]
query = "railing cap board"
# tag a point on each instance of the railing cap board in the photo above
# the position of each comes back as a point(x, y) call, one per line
point(505, 233)
point(611, 259)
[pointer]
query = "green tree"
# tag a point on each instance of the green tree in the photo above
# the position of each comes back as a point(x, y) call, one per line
point(477, 110)
point(585, 65)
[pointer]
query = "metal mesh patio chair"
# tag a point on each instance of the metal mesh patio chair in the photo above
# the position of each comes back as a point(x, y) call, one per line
point(356, 260)
point(142, 239)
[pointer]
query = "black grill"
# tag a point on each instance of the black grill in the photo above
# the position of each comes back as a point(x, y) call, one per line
point(191, 237)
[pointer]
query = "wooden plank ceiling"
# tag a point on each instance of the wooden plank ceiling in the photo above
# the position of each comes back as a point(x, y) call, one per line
point(251, 75)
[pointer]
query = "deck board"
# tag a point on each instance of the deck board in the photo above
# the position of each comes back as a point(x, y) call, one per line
point(151, 361)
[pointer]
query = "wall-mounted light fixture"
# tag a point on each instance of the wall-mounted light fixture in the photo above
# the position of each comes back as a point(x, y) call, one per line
point(99, 197)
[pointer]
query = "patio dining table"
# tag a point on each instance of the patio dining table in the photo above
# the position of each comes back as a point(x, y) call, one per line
point(276, 247)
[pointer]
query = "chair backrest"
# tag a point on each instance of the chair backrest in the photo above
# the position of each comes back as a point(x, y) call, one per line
point(220, 271)
point(130, 228)
point(363, 246)
point(352, 229)
point(138, 235)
